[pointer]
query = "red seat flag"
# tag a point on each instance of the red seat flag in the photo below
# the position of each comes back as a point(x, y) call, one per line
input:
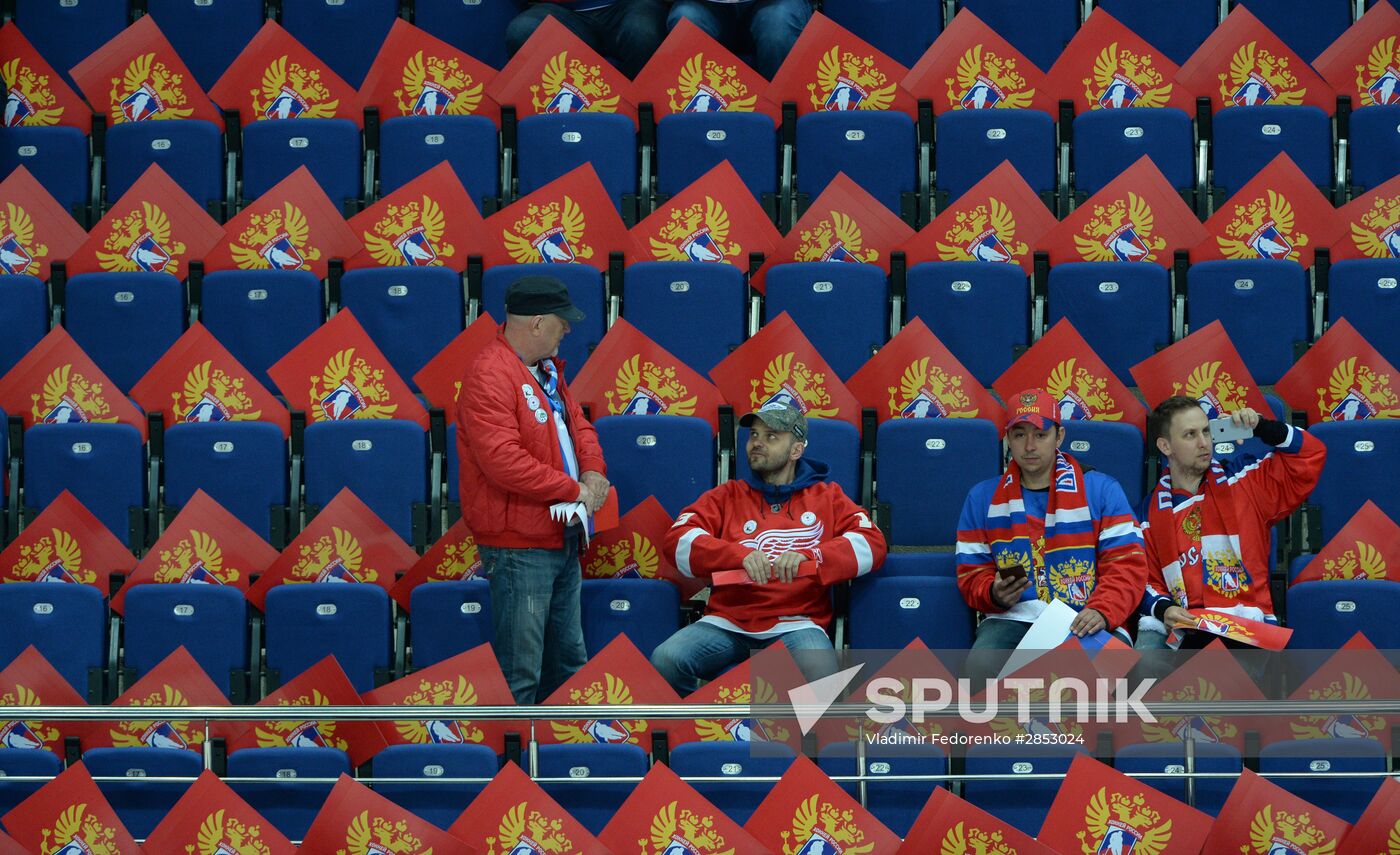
point(1367, 547)
point(468, 679)
point(36, 94)
point(1138, 216)
point(453, 558)
point(323, 684)
point(178, 681)
point(277, 77)
point(1098, 806)
point(1356, 672)
point(203, 545)
point(1001, 219)
point(1211, 674)
point(843, 224)
point(1369, 224)
point(1377, 832)
point(780, 364)
point(692, 73)
point(1261, 815)
point(416, 74)
point(441, 378)
point(336, 373)
point(66, 543)
point(806, 806)
point(715, 219)
point(211, 817)
point(1062, 363)
point(30, 681)
point(69, 814)
point(617, 675)
point(915, 377)
point(1107, 66)
point(830, 69)
point(556, 72)
point(513, 814)
point(35, 231)
point(293, 226)
point(346, 542)
point(629, 374)
point(970, 67)
point(155, 227)
point(356, 819)
point(949, 824)
point(1206, 366)
point(666, 815)
point(138, 77)
point(428, 222)
point(570, 219)
point(1243, 64)
point(1278, 214)
point(57, 383)
point(1341, 378)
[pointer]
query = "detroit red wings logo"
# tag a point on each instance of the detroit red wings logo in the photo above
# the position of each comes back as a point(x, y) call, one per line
point(775, 542)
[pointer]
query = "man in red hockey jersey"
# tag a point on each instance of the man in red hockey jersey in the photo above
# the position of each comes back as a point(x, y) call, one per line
point(791, 532)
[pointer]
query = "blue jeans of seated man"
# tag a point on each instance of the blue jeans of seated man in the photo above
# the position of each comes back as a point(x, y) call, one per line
point(535, 614)
point(702, 651)
point(773, 26)
point(627, 31)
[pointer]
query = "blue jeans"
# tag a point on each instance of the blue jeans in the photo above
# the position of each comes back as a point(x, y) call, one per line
point(628, 31)
point(703, 651)
point(772, 24)
point(535, 615)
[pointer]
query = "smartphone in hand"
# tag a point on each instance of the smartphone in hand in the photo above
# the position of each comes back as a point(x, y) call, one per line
point(1225, 430)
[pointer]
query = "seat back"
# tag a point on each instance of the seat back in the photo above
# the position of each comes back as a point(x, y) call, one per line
point(980, 311)
point(1263, 305)
point(920, 564)
point(690, 144)
point(914, 455)
point(1306, 26)
point(449, 618)
point(843, 309)
point(284, 800)
point(141, 804)
point(411, 145)
point(696, 310)
point(1112, 448)
point(971, 143)
point(125, 321)
point(259, 315)
point(875, 148)
point(65, 623)
point(383, 461)
point(477, 28)
point(647, 611)
point(901, 29)
point(410, 313)
point(1095, 296)
point(670, 457)
point(1361, 455)
point(1365, 292)
point(346, 35)
point(1328, 761)
point(24, 315)
point(1022, 804)
point(888, 612)
point(593, 805)
point(241, 465)
point(438, 803)
point(1324, 615)
point(65, 34)
point(1102, 149)
point(1175, 29)
point(24, 762)
point(329, 148)
point(553, 144)
point(190, 151)
point(1170, 757)
point(834, 442)
point(207, 36)
point(895, 803)
point(307, 622)
point(733, 761)
point(1374, 146)
point(209, 621)
point(56, 156)
point(102, 465)
point(585, 286)
point(1247, 138)
point(1039, 30)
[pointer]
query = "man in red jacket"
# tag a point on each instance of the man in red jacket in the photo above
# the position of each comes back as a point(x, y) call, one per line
point(790, 533)
point(524, 445)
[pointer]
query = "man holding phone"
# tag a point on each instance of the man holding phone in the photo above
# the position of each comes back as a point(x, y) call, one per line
point(1047, 530)
point(1206, 523)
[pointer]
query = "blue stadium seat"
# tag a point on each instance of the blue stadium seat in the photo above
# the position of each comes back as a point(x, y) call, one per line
point(1096, 295)
point(284, 800)
point(1176, 29)
point(411, 145)
point(66, 623)
point(207, 36)
point(102, 465)
point(454, 468)
point(449, 618)
point(1171, 757)
point(980, 311)
point(142, 804)
point(1343, 797)
point(1039, 30)
point(876, 149)
point(438, 803)
point(647, 611)
point(383, 461)
point(24, 315)
point(1297, 563)
point(554, 144)
point(1103, 148)
point(1307, 26)
point(1247, 138)
point(670, 457)
point(1112, 448)
point(593, 805)
point(843, 309)
point(57, 157)
point(737, 798)
point(971, 143)
point(919, 564)
point(1365, 292)
point(1263, 305)
point(1022, 804)
point(125, 321)
point(835, 442)
point(210, 621)
point(1324, 615)
point(690, 144)
point(585, 286)
point(345, 35)
point(888, 612)
point(695, 309)
point(241, 465)
point(65, 33)
point(895, 803)
point(1374, 146)
point(410, 313)
point(259, 315)
point(901, 29)
point(356, 631)
point(18, 762)
point(190, 151)
point(478, 28)
point(953, 454)
point(1361, 455)
point(329, 148)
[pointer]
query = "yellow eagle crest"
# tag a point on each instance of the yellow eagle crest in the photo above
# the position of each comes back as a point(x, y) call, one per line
point(349, 387)
point(148, 91)
point(836, 238)
point(290, 90)
point(69, 397)
point(835, 827)
point(335, 556)
point(794, 383)
point(699, 232)
point(734, 729)
point(79, 829)
point(1120, 231)
point(927, 391)
point(459, 692)
point(706, 86)
point(551, 233)
point(684, 829)
point(376, 835)
point(460, 560)
point(1203, 728)
point(1125, 78)
point(538, 832)
point(984, 233)
point(1271, 831)
point(1129, 818)
point(1081, 394)
point(1377, 234)
point(19, 254)
point(645, 388)
point(196, 558)
point(631, 558)
point(57, 557)
point(1262, 229)
point(310, 734)
point(158, 734)
point(29, 100)
point(437, 87)
point(276, 240)
point(1355, 391)
point(1363, 562)
point(985, 80)
point(211, 395)
point(963, 839)
point(847, 81)
point(410, 235)
point(1349, 688)
point(572, 86)
point(1256, 76)
point(611, 690)
point(1216, 390)
point(141, 242)
point(1377, 80)
point(220, 836)
point(39, 735)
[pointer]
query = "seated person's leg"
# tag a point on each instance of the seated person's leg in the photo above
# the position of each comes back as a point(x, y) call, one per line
point(992, 646)
point(522, 26)
point(812, 651)
point(697, 652)
point(631, 31)
point(709, 18)
point(775, 26)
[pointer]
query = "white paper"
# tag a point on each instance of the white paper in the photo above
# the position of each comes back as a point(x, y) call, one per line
point(1047, 633)
point(569, 513)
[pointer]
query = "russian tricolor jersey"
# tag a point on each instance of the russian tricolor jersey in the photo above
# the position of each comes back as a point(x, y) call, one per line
point(1264, 491)
point(1117, 585)
point(724, 525)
